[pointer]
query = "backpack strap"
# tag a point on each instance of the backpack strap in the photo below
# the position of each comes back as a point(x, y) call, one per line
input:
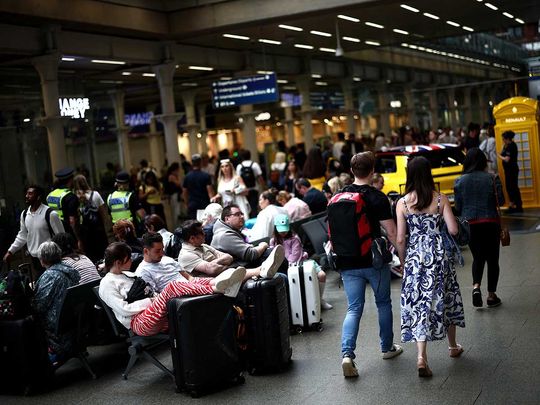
point(438, 203)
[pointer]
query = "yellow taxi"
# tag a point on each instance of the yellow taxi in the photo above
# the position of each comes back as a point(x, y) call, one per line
point(446, 166)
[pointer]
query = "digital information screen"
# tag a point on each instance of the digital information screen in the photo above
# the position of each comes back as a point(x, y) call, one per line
point(245, 90)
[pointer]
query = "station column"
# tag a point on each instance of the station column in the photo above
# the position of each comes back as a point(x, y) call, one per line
point(249, 130)
point(384, 115)
point(203, 146)
point(191, 126)
point(467, 105)
point(303, 84)
point(451, 106)
point(411, 106)
point(434, 109)
point(346, 87)
point(169, 117)
point(122, 130)
point(47, 67)
point(289, 122)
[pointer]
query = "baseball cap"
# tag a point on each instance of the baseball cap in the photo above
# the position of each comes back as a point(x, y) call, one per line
point(282, 223)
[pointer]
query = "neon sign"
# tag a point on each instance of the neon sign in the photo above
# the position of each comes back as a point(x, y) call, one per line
point(73, 107)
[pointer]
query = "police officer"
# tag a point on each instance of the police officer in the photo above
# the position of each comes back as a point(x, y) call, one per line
point(64, 201)
point(124, 204)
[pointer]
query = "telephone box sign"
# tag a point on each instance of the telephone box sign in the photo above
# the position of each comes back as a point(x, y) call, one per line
point(73, 107)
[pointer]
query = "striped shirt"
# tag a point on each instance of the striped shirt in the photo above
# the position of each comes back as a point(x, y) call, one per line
point(87, 270)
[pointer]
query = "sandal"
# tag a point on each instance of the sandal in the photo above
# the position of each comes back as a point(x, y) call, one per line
point(423, 368)
point(456, 351)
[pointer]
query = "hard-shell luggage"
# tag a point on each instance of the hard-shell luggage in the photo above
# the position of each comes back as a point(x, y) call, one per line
point(267, 324)
point(305, 299)
point(24, 361)
point(203, 343)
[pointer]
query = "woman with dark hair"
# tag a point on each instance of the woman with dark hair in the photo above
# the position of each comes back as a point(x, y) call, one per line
point(477, 194)
point(270, 208)
point(431, 304)
point(509, 157)
point(314, 169)
point(292, 173)
point(173, 189)
point(71, 257)
point(154, 224)
point(150, 193)
point(124, 231)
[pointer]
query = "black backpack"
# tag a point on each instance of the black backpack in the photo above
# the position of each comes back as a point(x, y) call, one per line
point(248, 175)
point(174, 245)
point(89, 213)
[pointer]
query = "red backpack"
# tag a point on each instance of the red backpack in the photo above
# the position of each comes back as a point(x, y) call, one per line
point(349, 228)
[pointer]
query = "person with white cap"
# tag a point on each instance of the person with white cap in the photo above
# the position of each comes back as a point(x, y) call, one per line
point(65, 202)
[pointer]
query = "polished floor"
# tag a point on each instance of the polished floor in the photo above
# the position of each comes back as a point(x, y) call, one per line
point(501, 363)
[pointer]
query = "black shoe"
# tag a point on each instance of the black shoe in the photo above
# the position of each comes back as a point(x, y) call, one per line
point(477, 297)
point(493, 302)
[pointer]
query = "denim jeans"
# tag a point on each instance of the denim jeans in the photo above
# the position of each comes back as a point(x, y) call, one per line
point(354, 282)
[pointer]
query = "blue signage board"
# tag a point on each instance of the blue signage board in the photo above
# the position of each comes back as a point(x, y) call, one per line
point(245, 90)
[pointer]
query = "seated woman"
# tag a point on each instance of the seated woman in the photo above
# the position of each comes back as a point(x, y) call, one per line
point(148, 316)
point(49, 293)
point(70, 257)
point(155, 224)
point(296, 208)
point(124, 231)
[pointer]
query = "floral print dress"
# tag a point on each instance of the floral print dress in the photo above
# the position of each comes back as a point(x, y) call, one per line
point(430, 296)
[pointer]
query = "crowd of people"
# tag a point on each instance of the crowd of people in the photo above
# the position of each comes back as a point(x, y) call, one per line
point(236, 225)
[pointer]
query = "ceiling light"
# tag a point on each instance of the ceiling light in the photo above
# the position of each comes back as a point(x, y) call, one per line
point(269, 41)
point(374, 43)
point(397, 31)
point(519, 20)
point(289, 87)
point(455, 24)
point(321, 83)
point(433, 16)
point(413, 47)
point(149, 74)
point(225, 78)
point(290, 27)
point(189, 84)
point(320, 33)
point(108, 62)
point(316, 76)
point(406, 7)
point(177, 66)
point(346, 17)
point(406, 45)
point(508, 15)
point(491, 6)
point(374, 25)
point(205, 68)
point(357, 79)
point(264, 72)
point(330, 50)
point(351, 39)
point(303, 46)
point(126, 73)
point(66, 59)
point(232, 36)
point(467, 28)
point(26, 120)
point(282, 81)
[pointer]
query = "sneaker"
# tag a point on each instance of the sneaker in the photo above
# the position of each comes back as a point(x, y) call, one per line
point(326, 305)
point(229, 281)
point(271, 265)
point(493, 302)
point(396, 350)
point(477, 297)
point(349, 368)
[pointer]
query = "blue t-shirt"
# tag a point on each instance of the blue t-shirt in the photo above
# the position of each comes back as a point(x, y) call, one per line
point(196, 182)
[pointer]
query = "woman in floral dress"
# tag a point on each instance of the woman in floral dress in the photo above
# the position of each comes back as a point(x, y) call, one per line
point(431, 304)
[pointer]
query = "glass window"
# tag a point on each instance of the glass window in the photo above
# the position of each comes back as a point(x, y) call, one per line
point(385, 164)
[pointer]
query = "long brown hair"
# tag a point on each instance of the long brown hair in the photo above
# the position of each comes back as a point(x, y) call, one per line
point(420, 180)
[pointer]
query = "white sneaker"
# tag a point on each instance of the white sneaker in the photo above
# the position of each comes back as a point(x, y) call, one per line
point(326, 305)
point(271, 265)
point(349, 368)
point(396, 350)
point(229, 281)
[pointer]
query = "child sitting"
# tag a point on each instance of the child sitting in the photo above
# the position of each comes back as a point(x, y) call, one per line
point(294, 251)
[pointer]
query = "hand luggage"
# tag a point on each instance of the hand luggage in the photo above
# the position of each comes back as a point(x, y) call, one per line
point(203, 343)
point(24, 361)
point(267, 324)
point(304, 296)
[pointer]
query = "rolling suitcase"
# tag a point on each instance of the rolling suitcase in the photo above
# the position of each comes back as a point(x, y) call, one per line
point(203, 343)
point(24, 361)
point(304, 296)
point(267, 324)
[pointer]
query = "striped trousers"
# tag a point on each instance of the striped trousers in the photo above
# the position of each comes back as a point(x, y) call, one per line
point(153, 319)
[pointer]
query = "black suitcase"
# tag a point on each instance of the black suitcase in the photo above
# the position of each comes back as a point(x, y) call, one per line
point(267, 323)
point(203, 343)
point(24, 361)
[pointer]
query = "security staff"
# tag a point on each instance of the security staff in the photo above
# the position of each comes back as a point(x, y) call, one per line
point(124, 204)
point(64, 201)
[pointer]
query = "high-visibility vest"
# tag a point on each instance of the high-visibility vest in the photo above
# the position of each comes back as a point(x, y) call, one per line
point(118, 203)
point(54, 200)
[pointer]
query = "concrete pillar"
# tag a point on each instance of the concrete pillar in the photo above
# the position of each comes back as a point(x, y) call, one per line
point(451, 107)
point(168, 117)
point(203, 146)
point(122, 130)
point(411, 106)
point(155, 142)
point(289, 123)
point(434, 109)
point(47, 67)
point(384, 111)
point(249, 130)
point(347, 88)
point(191, 126)
point(303, 84)
point(467, 105)
point(30, 154)
point(483, 104)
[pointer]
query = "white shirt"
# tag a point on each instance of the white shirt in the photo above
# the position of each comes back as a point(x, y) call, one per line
point(166, 235)
point(256, 170)
point(191, 256)
point(34, 230)
point(96, 200)
point(264, 225)
point(158, 275)
point(336, 149)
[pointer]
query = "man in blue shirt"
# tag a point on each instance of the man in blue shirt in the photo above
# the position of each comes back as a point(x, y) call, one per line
point(197, 188)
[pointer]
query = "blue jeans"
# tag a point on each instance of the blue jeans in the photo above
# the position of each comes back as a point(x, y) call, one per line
point(354, 281)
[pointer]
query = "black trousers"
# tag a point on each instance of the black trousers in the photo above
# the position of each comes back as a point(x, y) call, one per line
point(253, 198)
point(485, 245)
point(512, 187)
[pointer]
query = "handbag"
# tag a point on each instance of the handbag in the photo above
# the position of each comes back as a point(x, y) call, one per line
point(505, 233)
point(381, 255)
point(138, 291)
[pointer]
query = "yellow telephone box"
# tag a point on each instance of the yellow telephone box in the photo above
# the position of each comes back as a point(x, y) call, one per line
point(521, 115)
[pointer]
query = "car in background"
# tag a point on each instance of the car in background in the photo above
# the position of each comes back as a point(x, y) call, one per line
point(446, 166)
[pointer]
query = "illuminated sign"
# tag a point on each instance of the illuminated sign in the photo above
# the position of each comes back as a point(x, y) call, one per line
point(517, 119)
point(73, 107)
point(134, 120)
point(245, 90)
